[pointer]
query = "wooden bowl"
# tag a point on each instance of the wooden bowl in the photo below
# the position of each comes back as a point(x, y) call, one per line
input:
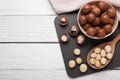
point(84, 32)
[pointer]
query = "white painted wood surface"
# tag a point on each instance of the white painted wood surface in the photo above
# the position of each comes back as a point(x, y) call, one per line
point(27, 29)
point(26, 7)
point(33, 21)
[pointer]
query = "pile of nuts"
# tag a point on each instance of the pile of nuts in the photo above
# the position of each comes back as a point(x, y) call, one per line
point(97, 18)
point(80, 40)
point(99, 57)
point(73, 31)
point(72, 63)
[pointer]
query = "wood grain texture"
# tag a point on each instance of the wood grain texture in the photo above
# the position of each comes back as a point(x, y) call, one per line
point(27, 29)
point(39, 62)
point(30, 56)
point(26, 7)
point(24, 26)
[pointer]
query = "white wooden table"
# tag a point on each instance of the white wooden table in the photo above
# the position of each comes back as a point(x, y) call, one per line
point(29, 48)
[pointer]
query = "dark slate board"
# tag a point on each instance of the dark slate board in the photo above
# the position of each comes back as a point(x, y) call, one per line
point(67, 48)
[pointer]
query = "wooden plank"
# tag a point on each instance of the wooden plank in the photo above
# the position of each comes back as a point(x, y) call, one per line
point(26, 7)
point(27, 29)
point(30, 56)
point(54, 75)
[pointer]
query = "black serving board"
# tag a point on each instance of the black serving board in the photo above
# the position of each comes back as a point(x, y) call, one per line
point(68, 48)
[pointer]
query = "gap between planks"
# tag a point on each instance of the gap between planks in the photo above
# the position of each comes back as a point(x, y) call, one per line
point(31, 56)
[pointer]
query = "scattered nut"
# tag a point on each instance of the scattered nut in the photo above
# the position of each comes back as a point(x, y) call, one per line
point(83, 68)
point(74, 30)
point(77, 51)
point(63, 21)
point(64, 38)
point(78, 60)
point(81, 39)
point(72, 64)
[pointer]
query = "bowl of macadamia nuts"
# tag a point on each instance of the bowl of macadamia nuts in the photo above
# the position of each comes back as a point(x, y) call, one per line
point(97, 19)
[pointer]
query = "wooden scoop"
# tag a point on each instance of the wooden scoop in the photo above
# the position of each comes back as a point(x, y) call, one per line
point(112, 44)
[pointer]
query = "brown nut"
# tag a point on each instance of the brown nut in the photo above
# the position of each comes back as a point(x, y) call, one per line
point(93, 6)
point(90, 17)
point(96, 22)
point(111, 12)
point(101, 33)
point(102, 5)
point(93, 2)
point(91, 31)
point(63, 21)
point(97, 28)
point(86, 26)
point(105, 18)
point(86, 9)
point(82, 20)
point(81, 39)
point(108, 28)
point(74, 30)
point(96, 11)
point(112, 21)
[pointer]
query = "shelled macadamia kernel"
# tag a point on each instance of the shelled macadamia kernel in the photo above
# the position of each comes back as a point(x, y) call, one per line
point(77, 51)
point(83, 68)
point(72, 64)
